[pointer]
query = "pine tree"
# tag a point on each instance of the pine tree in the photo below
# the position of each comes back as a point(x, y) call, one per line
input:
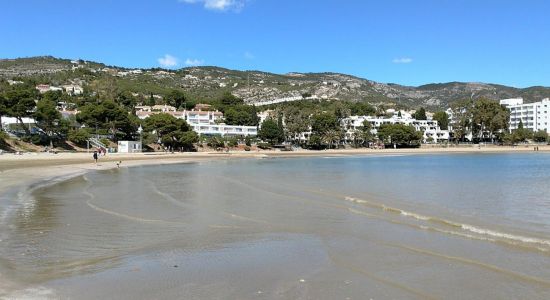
point(281, 128)
point(151, 101)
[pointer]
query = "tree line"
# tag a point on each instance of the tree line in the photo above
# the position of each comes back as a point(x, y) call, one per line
point(111, 118)
point(327, 129)
point(473, 120)
point(112, 115)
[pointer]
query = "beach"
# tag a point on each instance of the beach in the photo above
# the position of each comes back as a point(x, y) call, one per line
point(30, 167)
point(320, 224)
point(38, 159)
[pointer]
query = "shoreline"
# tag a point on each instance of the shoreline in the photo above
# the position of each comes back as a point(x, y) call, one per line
point(25, 169)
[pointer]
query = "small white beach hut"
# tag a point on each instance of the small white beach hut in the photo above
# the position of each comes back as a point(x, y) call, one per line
point(129, 146)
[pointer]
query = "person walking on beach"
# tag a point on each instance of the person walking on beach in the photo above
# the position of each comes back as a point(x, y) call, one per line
point(95, 157)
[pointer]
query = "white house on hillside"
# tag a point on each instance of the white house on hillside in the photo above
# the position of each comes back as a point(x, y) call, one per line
point(73, 89)
point(43, 88)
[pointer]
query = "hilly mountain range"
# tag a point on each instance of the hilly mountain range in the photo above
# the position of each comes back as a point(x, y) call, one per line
point(255, 87)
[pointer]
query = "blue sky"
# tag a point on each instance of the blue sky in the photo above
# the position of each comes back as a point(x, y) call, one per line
point(406, 42)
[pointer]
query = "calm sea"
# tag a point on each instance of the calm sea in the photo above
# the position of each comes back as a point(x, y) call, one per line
point(461, 226)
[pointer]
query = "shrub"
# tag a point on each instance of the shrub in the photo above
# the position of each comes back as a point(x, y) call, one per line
point(215, 142)
point(105, 142)
point(79, 136)
point(540, 136)
point(247, 148)
point(232, 142)
point(315, 142)
point(36, 139)
point(264, 146)
point(188, 139)
point(39, 139)
point(3, 135)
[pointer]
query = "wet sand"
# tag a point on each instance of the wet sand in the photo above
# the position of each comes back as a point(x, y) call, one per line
point(11, 161)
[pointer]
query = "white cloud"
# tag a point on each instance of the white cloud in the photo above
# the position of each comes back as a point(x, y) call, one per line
point(402, 60)
point(249, 55)
point(219, 5)
point(168, 61)
point(193, 62)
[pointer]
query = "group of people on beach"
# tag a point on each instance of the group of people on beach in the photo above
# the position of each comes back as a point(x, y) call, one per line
point(98, 152)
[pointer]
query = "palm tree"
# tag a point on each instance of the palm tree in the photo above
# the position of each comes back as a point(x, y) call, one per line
point(331, 137)
point(358, 138)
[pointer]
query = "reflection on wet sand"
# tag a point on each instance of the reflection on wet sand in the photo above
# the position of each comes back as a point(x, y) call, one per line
point(306, 228)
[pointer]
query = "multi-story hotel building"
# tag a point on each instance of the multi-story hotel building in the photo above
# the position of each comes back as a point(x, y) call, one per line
point(534, 116)
point(429, 128)
point(202, 122)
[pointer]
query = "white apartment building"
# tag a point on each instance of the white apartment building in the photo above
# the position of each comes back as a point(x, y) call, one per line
point(223, 130)
point(430, 128)
point(203, 122)
point(209, 123)
point(511, 101)
point(534, 116)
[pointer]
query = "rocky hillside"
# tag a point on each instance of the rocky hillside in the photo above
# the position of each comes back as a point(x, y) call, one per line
point(254, 86)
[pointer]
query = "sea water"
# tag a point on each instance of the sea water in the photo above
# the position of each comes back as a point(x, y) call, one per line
point(460, 226)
